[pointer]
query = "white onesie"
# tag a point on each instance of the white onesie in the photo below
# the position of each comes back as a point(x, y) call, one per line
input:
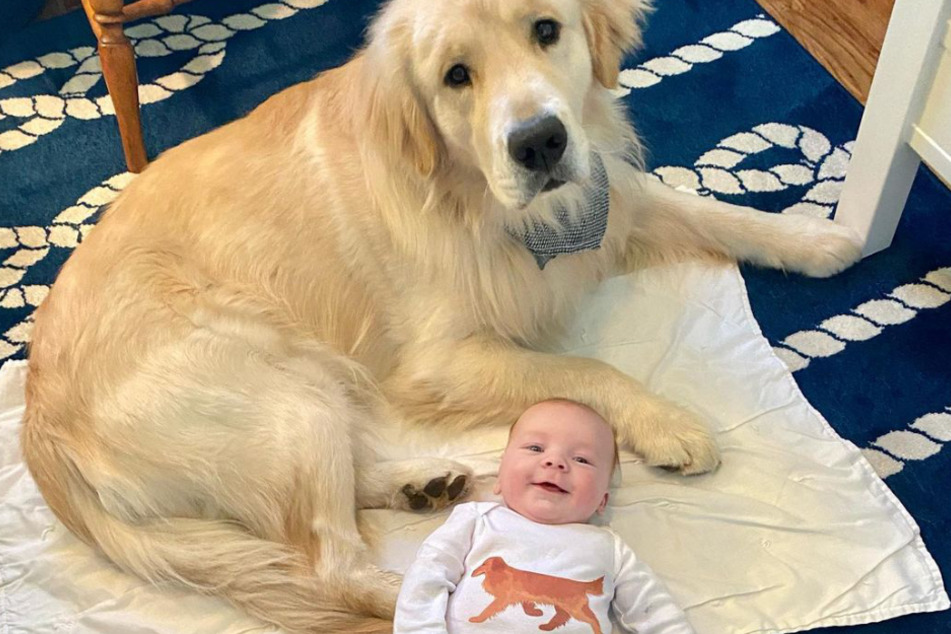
point(488, 569)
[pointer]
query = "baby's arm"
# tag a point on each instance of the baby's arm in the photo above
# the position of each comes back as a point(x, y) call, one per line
point(439, 565)
point(641, 602)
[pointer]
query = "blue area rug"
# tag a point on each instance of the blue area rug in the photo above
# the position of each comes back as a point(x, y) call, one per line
point(727, 103)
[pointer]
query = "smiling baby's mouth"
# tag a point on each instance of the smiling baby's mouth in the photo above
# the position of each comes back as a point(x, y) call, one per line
point(549, 486)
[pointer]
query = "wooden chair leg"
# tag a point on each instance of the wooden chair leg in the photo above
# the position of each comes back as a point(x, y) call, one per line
point(118, 69)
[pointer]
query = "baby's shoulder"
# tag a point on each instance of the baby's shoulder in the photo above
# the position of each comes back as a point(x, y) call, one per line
point(608, 537)
point(474, 509)
point(601, 540)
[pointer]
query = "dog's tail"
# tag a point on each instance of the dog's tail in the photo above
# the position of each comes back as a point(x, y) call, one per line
point(595, 587)
point(271, 581)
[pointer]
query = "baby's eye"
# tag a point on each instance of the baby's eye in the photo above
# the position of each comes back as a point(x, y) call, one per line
point(582, 460)
point(535, 448)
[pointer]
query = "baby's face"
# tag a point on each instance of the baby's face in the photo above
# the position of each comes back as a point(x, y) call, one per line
point(557, 466)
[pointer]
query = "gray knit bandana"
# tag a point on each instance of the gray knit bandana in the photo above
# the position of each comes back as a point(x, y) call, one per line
point(584, 232)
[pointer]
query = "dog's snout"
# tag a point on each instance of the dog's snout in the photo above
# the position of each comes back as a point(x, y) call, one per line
point(539, 144)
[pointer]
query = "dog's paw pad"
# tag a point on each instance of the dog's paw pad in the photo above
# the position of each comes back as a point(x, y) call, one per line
point(457, 487)
point(435, 487)
point(415, 500)
point(437, 493)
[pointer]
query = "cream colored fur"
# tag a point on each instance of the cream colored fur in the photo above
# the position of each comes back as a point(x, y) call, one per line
point(209, 370)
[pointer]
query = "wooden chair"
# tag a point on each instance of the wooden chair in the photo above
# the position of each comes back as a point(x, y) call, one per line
point(117, 56)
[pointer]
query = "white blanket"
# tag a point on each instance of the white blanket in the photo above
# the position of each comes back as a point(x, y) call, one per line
point(794, 531)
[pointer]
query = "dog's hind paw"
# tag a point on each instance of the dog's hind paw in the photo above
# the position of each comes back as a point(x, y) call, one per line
point(438, 492)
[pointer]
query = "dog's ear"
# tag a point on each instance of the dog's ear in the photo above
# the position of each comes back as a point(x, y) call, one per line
point(396, 113)
point(402, 123)
point(613, 27)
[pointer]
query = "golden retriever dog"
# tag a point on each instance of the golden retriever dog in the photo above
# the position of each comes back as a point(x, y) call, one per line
point(510, 586)
point(210, 369)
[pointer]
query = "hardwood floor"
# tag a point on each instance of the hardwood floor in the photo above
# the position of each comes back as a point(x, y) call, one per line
point(844, 35)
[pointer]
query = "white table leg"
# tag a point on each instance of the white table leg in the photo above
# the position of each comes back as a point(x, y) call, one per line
point(883, 164)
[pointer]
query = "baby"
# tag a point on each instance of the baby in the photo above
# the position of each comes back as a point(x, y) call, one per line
point(533, 562)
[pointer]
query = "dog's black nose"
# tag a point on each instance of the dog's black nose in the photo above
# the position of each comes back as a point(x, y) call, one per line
point(539, 144)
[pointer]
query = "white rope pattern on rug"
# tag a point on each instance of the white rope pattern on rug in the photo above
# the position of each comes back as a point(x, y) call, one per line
point(683, 59)
point(924, 438)
point(866, 320)
point(162, 36)
point(67, 230)
point(889, 452)
point(822, 165)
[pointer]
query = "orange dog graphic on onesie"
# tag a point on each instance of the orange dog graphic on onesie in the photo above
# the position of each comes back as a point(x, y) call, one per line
point(510, 586)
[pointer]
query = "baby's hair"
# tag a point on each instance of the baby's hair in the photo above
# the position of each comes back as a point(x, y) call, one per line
point(616, 466)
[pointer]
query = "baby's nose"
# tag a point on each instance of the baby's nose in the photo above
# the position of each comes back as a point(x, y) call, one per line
point(557, 463)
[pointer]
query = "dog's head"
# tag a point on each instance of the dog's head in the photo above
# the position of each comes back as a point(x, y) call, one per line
point(490, 565)
point(497, 87)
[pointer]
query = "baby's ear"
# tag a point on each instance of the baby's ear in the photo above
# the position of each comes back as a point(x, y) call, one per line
point(603, 504)
point(497, 487)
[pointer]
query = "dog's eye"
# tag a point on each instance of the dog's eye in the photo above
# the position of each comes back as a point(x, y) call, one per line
point(458, 76)
point(547, 31)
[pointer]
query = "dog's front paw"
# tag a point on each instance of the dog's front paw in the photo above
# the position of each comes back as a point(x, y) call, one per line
point(824, 248)
point(434, 493)
point(681, 442)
